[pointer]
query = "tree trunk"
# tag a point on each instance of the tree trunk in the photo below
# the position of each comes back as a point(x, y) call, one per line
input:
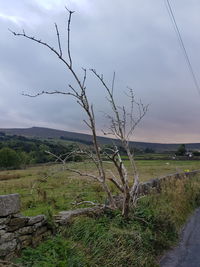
point(126, 205)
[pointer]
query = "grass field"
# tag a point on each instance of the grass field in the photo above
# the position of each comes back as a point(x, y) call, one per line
point(45, 189)
point(107, 240)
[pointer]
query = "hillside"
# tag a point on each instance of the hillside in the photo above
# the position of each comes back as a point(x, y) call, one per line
point(40, 132)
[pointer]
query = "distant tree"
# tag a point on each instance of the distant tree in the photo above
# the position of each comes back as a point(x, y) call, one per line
point(196, 153)
point(149, 150)
point(25, 158)
point(123, 121)
point(181, 150)
point(9, 158)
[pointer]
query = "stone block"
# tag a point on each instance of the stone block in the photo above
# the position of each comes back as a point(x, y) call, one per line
point(8, 247)
point(26, 243)
point(41, 230)
point(25, 230)
point(40, 224)
point(9, 204)
point(3, 226)
point(16, 223)
point(4, 220)
point(26, 240)
point(24, 237)
point(6, 237)
point(2, 232)
point(36, 219)
point(21, 221)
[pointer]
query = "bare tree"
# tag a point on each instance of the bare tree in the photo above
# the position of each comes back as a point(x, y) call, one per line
point(122, 125)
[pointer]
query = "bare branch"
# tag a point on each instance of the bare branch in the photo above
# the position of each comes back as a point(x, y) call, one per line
point(86, 202)
point(87, 124)
point(115, 181)
point(63, 161)
point(32, 38)
point(58, 36)
point(97, 178)
point(92, 111)
point(84, 77)
point(113, 83)
point(49, 93)
point(68, 37)
point(122, 125)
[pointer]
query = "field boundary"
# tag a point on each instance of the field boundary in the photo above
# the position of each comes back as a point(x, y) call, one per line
point(18, 231)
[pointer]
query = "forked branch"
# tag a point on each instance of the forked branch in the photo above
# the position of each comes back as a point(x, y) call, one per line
point(122, 126)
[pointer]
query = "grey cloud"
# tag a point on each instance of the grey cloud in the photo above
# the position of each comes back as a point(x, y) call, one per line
point(134, 38)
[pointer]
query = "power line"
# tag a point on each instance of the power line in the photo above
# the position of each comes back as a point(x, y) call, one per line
point(180, 39)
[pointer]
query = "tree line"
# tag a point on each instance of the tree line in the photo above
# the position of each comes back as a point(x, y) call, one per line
point(19, 151)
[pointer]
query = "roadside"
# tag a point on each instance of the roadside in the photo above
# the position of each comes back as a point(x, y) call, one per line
point(187, 253)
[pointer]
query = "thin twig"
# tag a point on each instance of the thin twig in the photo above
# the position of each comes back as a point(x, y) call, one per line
point(68, 39)
point(113, 83)
point(86, 202)
point(58, 36)
point(49, 93)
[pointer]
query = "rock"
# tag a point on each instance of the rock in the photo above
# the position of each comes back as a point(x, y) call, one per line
point(4, 220)
point(2, 232)
point(3, 226)
point(25, 230)
point(18, 231)
point(41, 230)
point(36, 219)
point(7, 247)
point(64, 217)
point(9, 204)
point(21, 221)
point(26, 243)
point(40, 224)
point(6, 237)
point(26, 240)
point(25, 237)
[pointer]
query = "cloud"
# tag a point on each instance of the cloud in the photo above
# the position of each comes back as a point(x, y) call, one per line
point(133, 38)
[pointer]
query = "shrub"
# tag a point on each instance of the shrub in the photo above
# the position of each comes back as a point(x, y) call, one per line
point(9, 158)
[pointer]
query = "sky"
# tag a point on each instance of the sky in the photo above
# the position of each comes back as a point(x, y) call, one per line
point(134, 38)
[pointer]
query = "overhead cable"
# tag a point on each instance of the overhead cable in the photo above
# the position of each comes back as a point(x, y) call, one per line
point(180, 39)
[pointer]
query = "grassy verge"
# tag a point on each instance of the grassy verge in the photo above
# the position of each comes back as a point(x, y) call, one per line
point(61, 189)
point(111, 241)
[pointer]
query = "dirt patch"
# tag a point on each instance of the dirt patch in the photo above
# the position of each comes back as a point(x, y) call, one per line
point(4, 177)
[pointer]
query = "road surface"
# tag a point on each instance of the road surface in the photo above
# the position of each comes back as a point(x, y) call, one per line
point(187, 253)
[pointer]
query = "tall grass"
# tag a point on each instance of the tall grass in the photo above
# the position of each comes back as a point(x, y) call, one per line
point(61, 189)
point(110, 241)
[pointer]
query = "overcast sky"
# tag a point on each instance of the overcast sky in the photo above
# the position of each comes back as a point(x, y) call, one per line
point(134, 38)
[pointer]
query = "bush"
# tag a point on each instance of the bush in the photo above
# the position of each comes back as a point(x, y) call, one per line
point(9, 158)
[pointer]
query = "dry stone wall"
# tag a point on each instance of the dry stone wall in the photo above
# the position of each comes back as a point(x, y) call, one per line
point(18, 231)
point(156, 183)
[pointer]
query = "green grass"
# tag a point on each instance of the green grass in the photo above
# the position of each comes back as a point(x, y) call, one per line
point(107, 240)
point(110, 241)
point(61, 189)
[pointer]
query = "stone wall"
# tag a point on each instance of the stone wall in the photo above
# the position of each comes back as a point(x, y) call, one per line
point(155, 184)
point(18, 231)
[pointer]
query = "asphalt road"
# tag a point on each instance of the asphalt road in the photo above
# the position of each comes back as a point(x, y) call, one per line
point(187, 253)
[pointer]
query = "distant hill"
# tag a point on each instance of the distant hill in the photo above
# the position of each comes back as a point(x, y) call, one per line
point(44, 133)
